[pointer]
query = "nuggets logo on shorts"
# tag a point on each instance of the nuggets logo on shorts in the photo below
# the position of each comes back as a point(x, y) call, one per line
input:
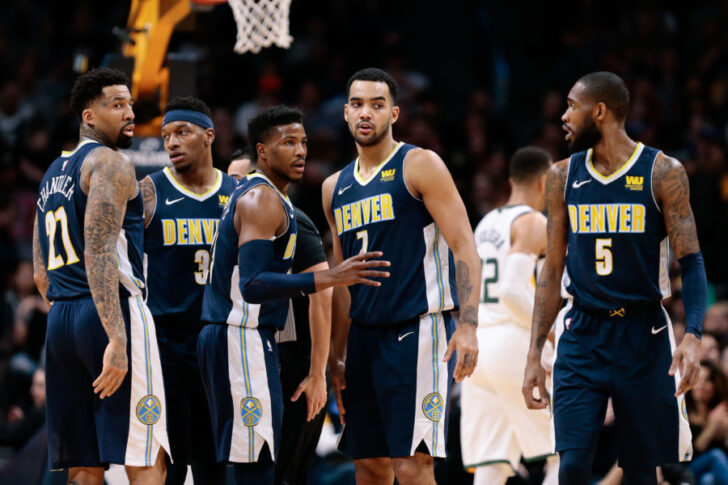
point(432, 406)
point(250, 411)
point(149, 409)
point(684, 409)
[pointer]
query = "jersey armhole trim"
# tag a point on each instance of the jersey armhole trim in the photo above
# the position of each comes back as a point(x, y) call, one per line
point(156, 201)
point(510, 228)
point(652, 181)
point(566, 181)
point(404, 179)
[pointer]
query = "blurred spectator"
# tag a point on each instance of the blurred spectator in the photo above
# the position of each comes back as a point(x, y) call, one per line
point(708, 417)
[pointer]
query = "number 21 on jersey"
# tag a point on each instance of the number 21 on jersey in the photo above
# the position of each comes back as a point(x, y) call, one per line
point(52, 219)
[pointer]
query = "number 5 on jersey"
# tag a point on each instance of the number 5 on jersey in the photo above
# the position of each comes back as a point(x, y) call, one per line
point(603, 256)
point(52, 219)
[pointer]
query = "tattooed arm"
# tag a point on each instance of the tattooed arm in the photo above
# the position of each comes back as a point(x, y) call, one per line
point(427, 177)
point(39, 271)
point(107, 177)
point(672, 192)
point(548, 288)
point(149, 194)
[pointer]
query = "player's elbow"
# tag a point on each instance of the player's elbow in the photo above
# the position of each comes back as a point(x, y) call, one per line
point(254, 292)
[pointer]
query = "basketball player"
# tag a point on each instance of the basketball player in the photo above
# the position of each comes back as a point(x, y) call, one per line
point(401, 200)
point(246, 300)
point(496, 427)
point(308, 320)
point(105, 396)
point(182, 207)
point(614, 203)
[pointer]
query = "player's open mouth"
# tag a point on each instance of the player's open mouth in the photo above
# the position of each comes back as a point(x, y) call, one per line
point(128, 130)
point(569, 132)
point(299, 166)
point(365, 128)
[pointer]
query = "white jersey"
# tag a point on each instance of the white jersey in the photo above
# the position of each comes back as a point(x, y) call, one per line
point(493, 240)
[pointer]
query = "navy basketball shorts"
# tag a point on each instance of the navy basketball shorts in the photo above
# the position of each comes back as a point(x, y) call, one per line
point(625, 355)
point(190, 431)
point(128, 427)
point(239, 368)
point(397, 388)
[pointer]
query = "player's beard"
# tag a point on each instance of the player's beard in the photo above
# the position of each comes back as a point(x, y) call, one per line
point(373, 140)
point(123, 141)
point(586, 138)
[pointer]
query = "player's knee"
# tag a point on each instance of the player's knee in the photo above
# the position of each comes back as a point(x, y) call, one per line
point(575, 467)
point(373, 471)
point(413, 470)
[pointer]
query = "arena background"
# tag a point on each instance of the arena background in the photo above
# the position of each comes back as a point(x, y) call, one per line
point(478, 80)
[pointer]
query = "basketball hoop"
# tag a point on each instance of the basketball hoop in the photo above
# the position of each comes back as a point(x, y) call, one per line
point(261, 23)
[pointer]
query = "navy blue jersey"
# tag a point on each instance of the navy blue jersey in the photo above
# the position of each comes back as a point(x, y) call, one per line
point(223, 300)
point(380, 214)
point(178, 239)
point(617, 244)
point(61, 209)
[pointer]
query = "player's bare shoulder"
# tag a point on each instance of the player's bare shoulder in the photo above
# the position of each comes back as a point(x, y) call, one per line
point(109, 167)
point(669, 179)
point(423, 167)
point(149, 195)
point(327, 189)
point(556, 180)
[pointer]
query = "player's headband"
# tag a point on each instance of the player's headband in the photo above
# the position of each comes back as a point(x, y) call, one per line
point(200, 119)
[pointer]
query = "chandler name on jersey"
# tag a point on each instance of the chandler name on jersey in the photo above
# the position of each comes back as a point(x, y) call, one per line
point(380, 214)
point(61, 209)
point(617, 241)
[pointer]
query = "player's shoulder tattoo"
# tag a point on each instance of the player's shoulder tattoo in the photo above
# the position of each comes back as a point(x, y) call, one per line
point(149, 195)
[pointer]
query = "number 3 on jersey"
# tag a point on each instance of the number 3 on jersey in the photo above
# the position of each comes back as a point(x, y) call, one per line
point(52, 219)
point(202, 258)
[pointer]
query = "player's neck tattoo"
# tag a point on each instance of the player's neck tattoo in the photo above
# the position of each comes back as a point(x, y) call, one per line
point(91, 133)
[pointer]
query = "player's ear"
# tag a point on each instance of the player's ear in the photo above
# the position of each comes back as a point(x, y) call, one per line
point(395, 114)
point(87, 116)
point(600, 111)
point(346, 112)
point(260, 150)
point(209, 136)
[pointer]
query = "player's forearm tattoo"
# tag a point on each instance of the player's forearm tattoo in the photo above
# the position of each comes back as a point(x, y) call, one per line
point(104, 216)
point(149, 194)
point(548, 300)
point(672, 189)
point(39, 270)
point(468, 313)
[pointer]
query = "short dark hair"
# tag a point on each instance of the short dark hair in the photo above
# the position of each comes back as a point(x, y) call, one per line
point(376, 75)
point(188, 102)
point(241, 153)
point(259, 128)
point(608, 88)
point(89, 87)
point(528, 163)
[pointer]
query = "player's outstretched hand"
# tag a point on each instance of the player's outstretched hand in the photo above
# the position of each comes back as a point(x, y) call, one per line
point(314, 386)
point(685, 358)
point(535, 377)
point(358, 270)
point(465, 341)
point(337, 370)
point(115, 368)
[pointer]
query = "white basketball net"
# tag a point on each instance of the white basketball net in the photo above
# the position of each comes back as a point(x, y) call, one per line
point(261, 23)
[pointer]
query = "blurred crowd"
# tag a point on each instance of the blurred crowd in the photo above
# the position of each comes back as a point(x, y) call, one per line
point(478, 79)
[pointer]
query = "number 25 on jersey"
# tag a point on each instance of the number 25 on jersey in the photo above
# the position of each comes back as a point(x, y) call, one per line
point(52, 219)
